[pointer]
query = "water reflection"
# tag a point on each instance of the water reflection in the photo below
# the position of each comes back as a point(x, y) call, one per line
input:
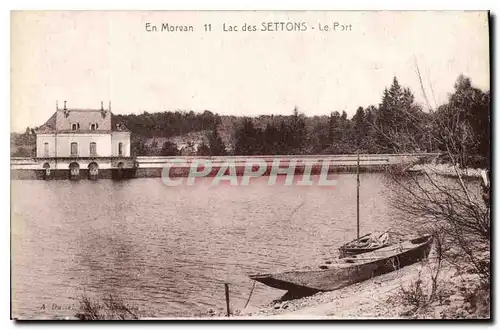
point(169, 249)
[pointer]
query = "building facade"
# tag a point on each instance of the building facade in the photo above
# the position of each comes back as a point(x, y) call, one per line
point(82, 140)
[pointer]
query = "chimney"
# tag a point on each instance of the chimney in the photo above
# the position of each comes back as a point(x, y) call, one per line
point(65, 106)
point(57, 105)
point(109, 106)
point(102, 106)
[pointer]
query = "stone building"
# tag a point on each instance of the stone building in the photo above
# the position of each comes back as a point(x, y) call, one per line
point(83, 141)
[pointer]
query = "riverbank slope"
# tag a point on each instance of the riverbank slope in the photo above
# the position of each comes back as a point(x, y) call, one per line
point(401, 294)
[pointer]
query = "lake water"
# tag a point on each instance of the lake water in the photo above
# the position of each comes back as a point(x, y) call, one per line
point(168, 250)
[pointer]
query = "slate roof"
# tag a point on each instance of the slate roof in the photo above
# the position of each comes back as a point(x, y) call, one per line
point(62, 121)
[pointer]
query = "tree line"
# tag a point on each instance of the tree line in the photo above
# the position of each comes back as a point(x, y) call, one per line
point(397, 124)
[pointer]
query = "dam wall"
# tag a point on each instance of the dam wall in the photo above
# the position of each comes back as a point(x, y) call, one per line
point(181, 166)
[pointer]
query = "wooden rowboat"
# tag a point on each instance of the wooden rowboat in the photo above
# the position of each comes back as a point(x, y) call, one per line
point(351, 270)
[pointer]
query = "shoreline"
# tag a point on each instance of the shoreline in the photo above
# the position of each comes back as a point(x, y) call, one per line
point(377, 298)
point(447, 170)
point(380, 298)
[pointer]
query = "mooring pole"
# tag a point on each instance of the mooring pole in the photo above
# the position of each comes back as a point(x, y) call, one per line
point(226, 287)
point(357, 197)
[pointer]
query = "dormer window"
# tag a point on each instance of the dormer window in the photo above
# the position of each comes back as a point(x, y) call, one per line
point(73, 127)
point(92, 127)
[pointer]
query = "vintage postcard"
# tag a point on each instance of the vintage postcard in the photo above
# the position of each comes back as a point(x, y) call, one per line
point(250, 165)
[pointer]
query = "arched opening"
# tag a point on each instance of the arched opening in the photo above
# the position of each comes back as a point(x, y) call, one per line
point(46, 167)
point(93, 169)
point(74, 169)
point(120, 171)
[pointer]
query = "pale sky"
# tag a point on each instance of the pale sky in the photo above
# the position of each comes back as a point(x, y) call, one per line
point(88, 57)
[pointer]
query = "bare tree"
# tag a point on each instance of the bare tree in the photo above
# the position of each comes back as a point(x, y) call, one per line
point(450, 208)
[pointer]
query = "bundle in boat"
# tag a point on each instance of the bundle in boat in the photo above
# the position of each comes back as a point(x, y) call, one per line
point(350, 270)
point(367, 243)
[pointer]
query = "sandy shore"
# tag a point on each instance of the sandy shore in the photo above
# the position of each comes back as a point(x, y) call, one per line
point(379, 297)
point(367, 299)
